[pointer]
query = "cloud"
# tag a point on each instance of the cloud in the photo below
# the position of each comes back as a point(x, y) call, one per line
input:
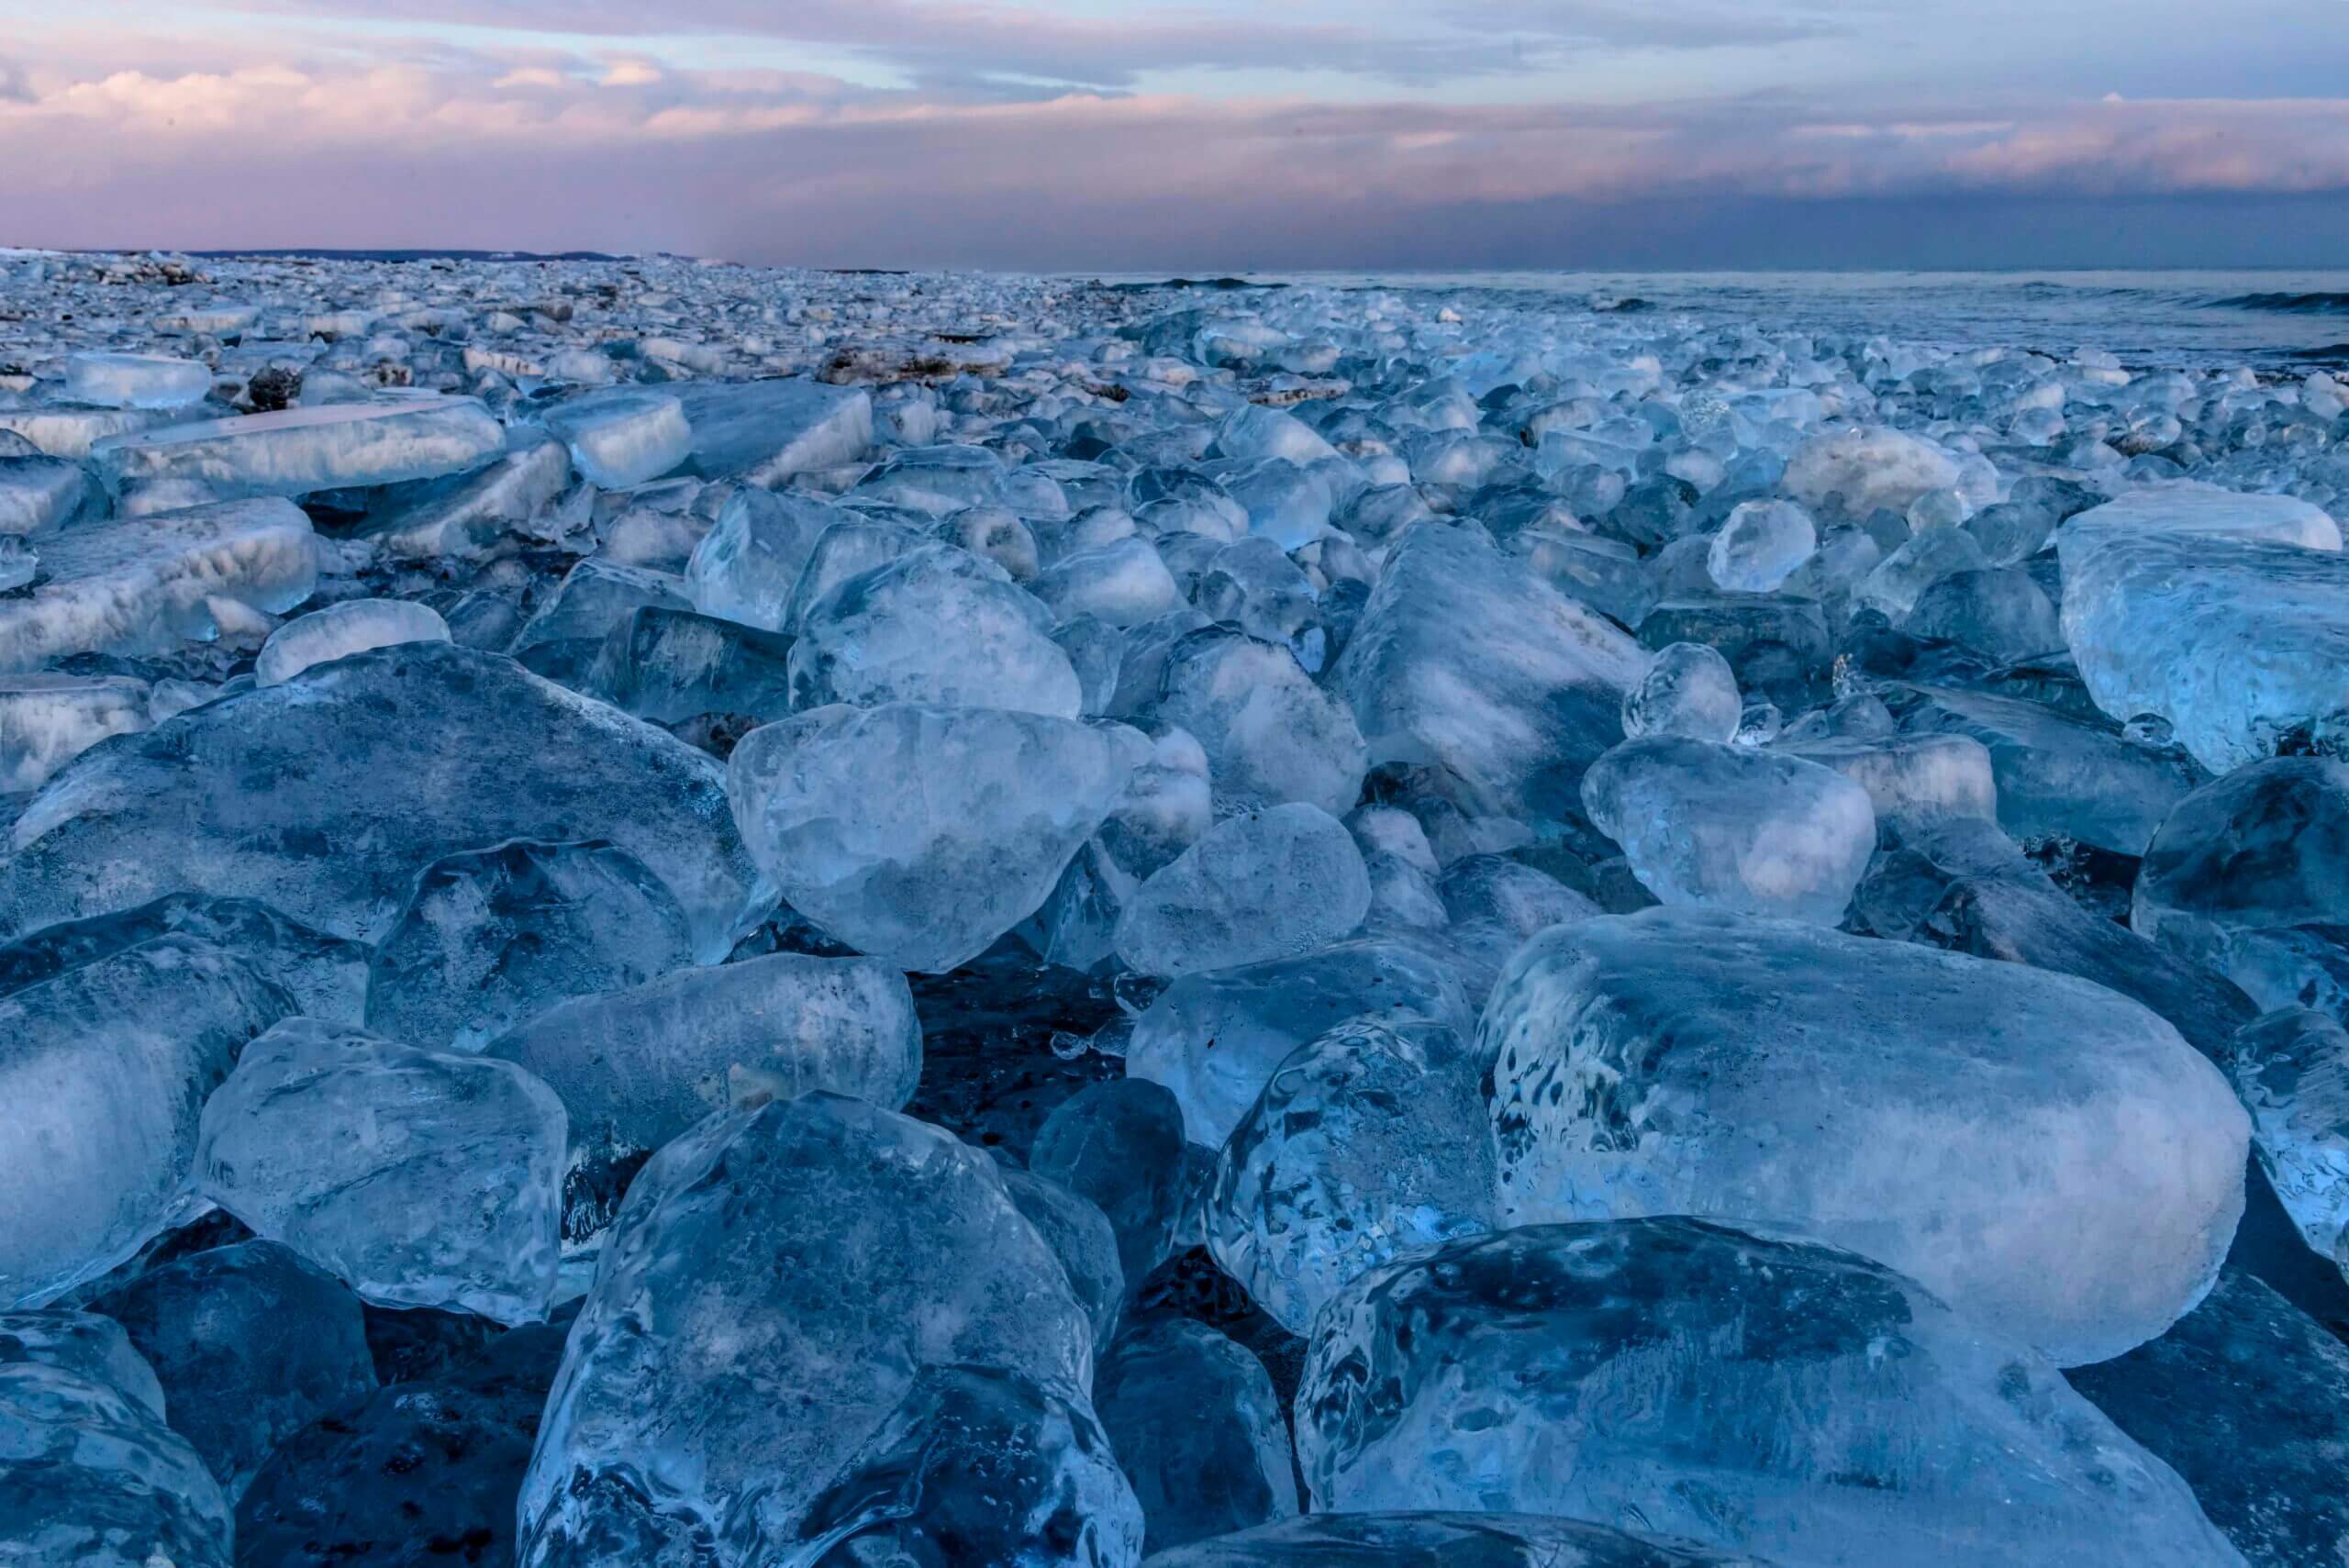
point(550, 151)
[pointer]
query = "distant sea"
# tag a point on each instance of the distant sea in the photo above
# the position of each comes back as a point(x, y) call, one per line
point(2270, 319)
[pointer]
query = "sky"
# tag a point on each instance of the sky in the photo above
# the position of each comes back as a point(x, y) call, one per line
point(1220, 135)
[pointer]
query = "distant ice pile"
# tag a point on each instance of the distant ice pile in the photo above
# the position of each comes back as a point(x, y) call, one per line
point(667, 916)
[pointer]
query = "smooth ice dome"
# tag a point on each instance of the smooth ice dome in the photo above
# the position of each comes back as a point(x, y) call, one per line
point(1897, 1101)
point(142, 584)
point(108, 1066)
point(339, 630)
point(2225, 614)
point(774, 1286)
point(1267, 885)
point(1732, 827)
point(297, 452)
point(1760, 546)
point(921, 834)
point(1689, 690)
point(422, 1178)
point(372, 768)
point(136, 381)
point(1752, 1394)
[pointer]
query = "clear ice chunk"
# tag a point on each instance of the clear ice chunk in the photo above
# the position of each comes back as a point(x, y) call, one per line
point(1119, 1144)
point(136, 381)
point(340, 630)
point(669, 665)
point(373, 768)
point(1267, 885)
point(2075, 1201)
point(764, 432)
point(623, 437)
point(423, 1178)
point(774, 1286)
point(108, 1066)
point(493, 937)
point(1752, 1394)
point(1689, 690)
point(1197, 1429)
point(46, 720)
point(297, 452)
point(2291, 1067)
point(921, 834)
point(325, 976)
point(1271, 735)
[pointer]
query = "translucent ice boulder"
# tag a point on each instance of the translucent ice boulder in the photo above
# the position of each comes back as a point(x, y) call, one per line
point(773, 1288)
point(492, 936)
point(423, 1178)
point(1733, 828)
point(1119, 1144)
point(1759, 546)
point(296, 451)
point(1904, 1105)
point(1266, 885)
point(1689, 689)
point(921, 834)
point(1853, 472)
point(2291, 1067)
point(373, 767)
point(1197, 1429)
point(143, 585)
point(325, 976)
point(2226, 615)
point(136, 381)
point(1271, 734)
point(621, 437)
point(108, 1066)
point(340, 630)
point(764, 432)
point(1752, 1394)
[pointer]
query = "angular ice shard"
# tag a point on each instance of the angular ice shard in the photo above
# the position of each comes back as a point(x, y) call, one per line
point(774, 1286)
point(921, 834)
point(136, 381)
point(936, 625)
point(1268, 885)
point(1119, 1144)
point(2248, 1399)
point(1368, 1142)
point(762, 432)
point(295, 451)
point(669, 665)
point(89, 1473)
point(636, 1068)
point(1197, 1429)
point(419, 1474)
point(1215, 1039)
point(493, 937)
point(1752, 1393)
point(2291, 1067)
point(1851, 472)
point(2250, 876)
point(1432, 1540)
point(325, 976)
point(565, 635)
point(1271, 735)
point(423, 1178)
point(1759, 832)
point(977, 1466)
point(1689, 689)
point(1759, 546)
point(1081, 1237)
point(46, 721)
point(475, 516)
point(143, 585)
point(621, 437)
point(324, 797)
point(340, 630)
point(2057, 775)
point(1690, 1061)
point(2226, 615)
point(105, 1068)
point(1467, 662)
point(250, 1344)
point(748, 565)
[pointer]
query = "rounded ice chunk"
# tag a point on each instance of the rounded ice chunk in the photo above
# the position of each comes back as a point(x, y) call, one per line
point(1267, 885)
point(1895, 1100)
point(423, 1178)
point(1689, 690)
point(1759, 546)
point(1750, 1393)
point(1197, 1429)
point(1271, 735)
point(1368, 1142)
point(340, 630)
point(1856, 470)
point(621, 437)
point(1733, 827)
point(774, 1286)
point(921, 834)
point(105, 1068)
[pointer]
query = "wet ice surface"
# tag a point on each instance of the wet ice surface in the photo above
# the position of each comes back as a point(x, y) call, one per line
point(799, 920)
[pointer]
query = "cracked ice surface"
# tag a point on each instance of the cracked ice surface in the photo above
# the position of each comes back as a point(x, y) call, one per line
point(858, 843)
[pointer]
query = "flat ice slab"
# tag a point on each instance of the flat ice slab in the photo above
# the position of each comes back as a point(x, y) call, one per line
point(295, 451)
point(140, 584)
point(765, 431)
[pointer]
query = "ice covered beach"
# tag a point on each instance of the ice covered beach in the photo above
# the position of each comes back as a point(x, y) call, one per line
point(658, 915)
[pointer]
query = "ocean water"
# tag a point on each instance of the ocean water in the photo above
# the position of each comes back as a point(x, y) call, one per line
point(2272, 320)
